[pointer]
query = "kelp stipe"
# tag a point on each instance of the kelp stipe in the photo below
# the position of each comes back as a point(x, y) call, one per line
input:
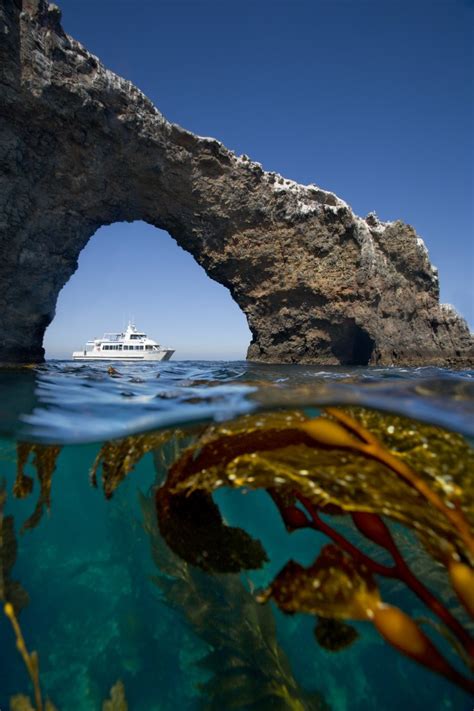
point(30, 659)
point(15, 598)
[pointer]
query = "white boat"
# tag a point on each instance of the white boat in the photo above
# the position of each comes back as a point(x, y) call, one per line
point(131, 345)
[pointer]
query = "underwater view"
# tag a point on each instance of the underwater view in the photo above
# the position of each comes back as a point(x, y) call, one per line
point(227, 535)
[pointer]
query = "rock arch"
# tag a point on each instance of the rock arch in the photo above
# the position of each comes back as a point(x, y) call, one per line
point(132, 271)
point(81, 148)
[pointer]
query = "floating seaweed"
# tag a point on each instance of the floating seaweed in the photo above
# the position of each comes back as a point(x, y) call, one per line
point(193, 528)
point(117, 701)
point(118, 457)
point(246, 666)
point(44, 461)
point(360, 464)
point(20, 702)
point(352, 465)
point(11, 591)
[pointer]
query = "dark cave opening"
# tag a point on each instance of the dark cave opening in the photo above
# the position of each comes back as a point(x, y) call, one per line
point(352, 345)
point(363, 347)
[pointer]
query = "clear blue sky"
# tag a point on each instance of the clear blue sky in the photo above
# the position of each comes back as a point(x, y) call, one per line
point(372, 99)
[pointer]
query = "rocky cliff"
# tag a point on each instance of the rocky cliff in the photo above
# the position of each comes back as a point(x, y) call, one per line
point(80, 148)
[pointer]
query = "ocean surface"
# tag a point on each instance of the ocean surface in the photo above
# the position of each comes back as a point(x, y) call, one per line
point(109, 585)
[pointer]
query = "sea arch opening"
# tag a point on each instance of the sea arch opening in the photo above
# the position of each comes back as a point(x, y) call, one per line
point(136, 271)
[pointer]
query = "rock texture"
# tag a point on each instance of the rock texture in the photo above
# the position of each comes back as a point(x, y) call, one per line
point(80, 148)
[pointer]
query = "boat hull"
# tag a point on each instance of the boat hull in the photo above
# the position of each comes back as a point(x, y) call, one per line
point(125, 358)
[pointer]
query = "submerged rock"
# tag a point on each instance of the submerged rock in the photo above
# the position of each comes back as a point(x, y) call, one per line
point(81, 147)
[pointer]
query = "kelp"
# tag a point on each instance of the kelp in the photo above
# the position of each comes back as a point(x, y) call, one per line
point(44, 461)
point(23, 485)
point(20, 702)
point(246, 667)
point(118, 457)
point(31, 661)
point(10, 590)
point(193, 528)
point(357, 463)
point(334, 586)
point(15, 598)
point(117, 701)
point(360, 465)
point(334, 635)
point(271, 451)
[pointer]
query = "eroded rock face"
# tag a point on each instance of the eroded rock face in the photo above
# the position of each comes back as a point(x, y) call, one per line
point(80, 148)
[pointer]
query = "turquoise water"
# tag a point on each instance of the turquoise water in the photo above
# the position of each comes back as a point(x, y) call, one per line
point(108, 600)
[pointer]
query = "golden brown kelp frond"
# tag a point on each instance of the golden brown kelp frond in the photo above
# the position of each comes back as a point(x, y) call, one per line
point(363, 465)
point(443, 457)
point(171, 450)
point(118, 457)
point(44, 461)
point(334, 586)
point(440, 495)
point(23, 485)
point(20, 702)
point(277, 451)
point(117, 701)
point(246, 666)
point(10, 590)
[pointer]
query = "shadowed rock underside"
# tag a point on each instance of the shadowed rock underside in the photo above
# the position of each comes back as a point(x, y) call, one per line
point(81, 147)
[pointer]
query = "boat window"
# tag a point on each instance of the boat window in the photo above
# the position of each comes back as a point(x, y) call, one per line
point(149, 348)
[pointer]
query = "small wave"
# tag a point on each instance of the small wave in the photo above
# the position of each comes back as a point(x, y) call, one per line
point(65, 402)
